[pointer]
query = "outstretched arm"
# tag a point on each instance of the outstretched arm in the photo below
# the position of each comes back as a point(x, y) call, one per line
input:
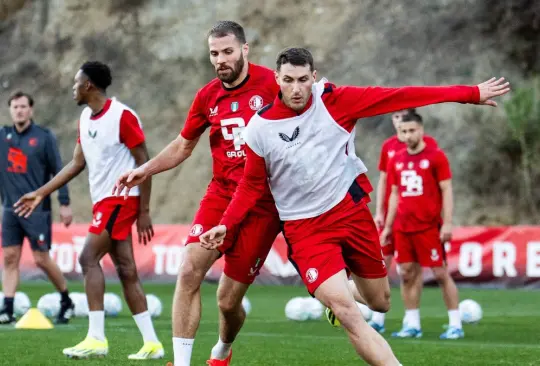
point(250, 189)
point(27, 203)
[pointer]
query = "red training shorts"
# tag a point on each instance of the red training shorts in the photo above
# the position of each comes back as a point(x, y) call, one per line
point(245, 249)
point(343, 237)
point(423, 247)
point(116, 215)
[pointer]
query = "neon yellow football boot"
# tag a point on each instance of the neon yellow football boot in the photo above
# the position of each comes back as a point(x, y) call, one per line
point(90, 347)
point(149, 351)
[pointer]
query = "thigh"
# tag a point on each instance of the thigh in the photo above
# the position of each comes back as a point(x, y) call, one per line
point(405, 251)
point(95, 248)
point(361, 245)
point(38, 230)
point(251, 246)
point(121, 252)
point(429, 249)
point(12, 231)
point(372, 288)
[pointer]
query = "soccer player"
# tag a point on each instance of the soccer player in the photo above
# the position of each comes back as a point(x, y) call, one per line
point(225, 105)
point(389, 148)
point(301, 146)
point(110, 141)
point(421, 183)
point(29, 158)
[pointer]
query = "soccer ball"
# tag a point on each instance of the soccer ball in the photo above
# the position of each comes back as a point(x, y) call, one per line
point(112, 304)
point(246, 304)
point(21, 304)
point(470, 311)
point(154, 305)
point(81, 304)
point(296, 309)
point(49, 304)
point(367, 313)
point(314, 308)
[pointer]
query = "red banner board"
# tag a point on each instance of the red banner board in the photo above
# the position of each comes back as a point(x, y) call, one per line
point(482, 256)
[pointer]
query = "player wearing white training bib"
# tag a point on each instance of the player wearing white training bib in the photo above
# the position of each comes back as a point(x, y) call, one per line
point(111, 140)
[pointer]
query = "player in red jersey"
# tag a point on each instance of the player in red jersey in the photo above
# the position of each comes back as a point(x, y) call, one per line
point(225, 105)
point(389, 148)
point(421, 183)
point(301, 146)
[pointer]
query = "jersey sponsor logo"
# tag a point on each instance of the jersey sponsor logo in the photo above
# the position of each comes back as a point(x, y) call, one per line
point(18, 161)
point(293, 137)
point(33, 141)
point(391, 153)
point(256, 102)
point(234, 106)
point(92, 134)
point(312, 274)
point(196, 230)
point(413, 183)
point(232, 129)
point(213, 111)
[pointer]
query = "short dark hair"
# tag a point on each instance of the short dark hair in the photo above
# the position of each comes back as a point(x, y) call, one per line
point(225, 27)
point(412, 117)
point(98, 73)
point(296, 56)
point(19, 94)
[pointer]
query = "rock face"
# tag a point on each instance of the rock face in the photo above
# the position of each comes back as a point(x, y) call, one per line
point(157, 51)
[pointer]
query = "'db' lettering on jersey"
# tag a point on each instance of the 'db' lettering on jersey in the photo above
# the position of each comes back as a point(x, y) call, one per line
point(233, 129)
point(412, 182)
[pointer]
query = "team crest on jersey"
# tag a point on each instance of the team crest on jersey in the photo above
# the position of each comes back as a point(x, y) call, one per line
point(9, 136)
point(311, 275)
point(33, 141)
point(234, 106)
point(92, 134)
point(256, 102)
point(196, 230)
point(424, 163)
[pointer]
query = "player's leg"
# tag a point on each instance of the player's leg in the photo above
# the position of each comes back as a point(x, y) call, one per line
point(186, 312)
point(122, 256)
point(12, 239)
point(370, 345)
point(242, 264)
point(38, 229)
point(378, 318)
point(432, 254)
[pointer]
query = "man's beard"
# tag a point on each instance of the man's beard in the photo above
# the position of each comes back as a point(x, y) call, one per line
point(235, 72)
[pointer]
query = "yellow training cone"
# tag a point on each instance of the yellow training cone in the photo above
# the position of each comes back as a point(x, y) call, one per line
point(34, 319)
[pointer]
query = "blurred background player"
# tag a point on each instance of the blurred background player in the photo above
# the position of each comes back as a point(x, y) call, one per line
point(420, 178)
point(225, 105)
point(389, 148)
point(29, 157)
point(111, 140)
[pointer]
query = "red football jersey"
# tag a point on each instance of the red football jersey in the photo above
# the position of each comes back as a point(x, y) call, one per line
point(389, 148)
point(417, 178)
point(227, 112)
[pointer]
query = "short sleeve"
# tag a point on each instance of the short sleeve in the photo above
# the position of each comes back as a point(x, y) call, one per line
point(383, 158)
point(442, 167)
point(131, 133)
point(391, 173)
point(196, 121)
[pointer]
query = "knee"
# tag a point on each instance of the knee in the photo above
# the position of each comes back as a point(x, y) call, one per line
point(381, 303)
point(408, 274)
point(11, 260)
point(342, 308)
point(41, 260)
point(441, 275)
point(190, 275)
point(87, 260)
point(127, 272)
point(228, 304)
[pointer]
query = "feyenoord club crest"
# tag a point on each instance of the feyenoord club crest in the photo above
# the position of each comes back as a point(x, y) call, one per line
point(256, 102)
point(234, 106)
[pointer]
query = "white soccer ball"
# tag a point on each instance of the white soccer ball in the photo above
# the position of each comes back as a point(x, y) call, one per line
point(367, 313)
point(296, 309)
point(154, 305)
point(314, 308)
point(21, 304)
point(246, 304)
point(470, 311)
point(49, 304)
point(112, 304)
point(81, 304)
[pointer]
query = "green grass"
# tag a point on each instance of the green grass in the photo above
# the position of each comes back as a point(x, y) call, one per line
point(507, 335)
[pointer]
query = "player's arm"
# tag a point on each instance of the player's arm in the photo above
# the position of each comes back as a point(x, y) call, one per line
point(173, 155)
point(27, 203)
point(447, 209)
point(381, 188)
point(250, 189)
point(145, 229)
point(391, 215)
